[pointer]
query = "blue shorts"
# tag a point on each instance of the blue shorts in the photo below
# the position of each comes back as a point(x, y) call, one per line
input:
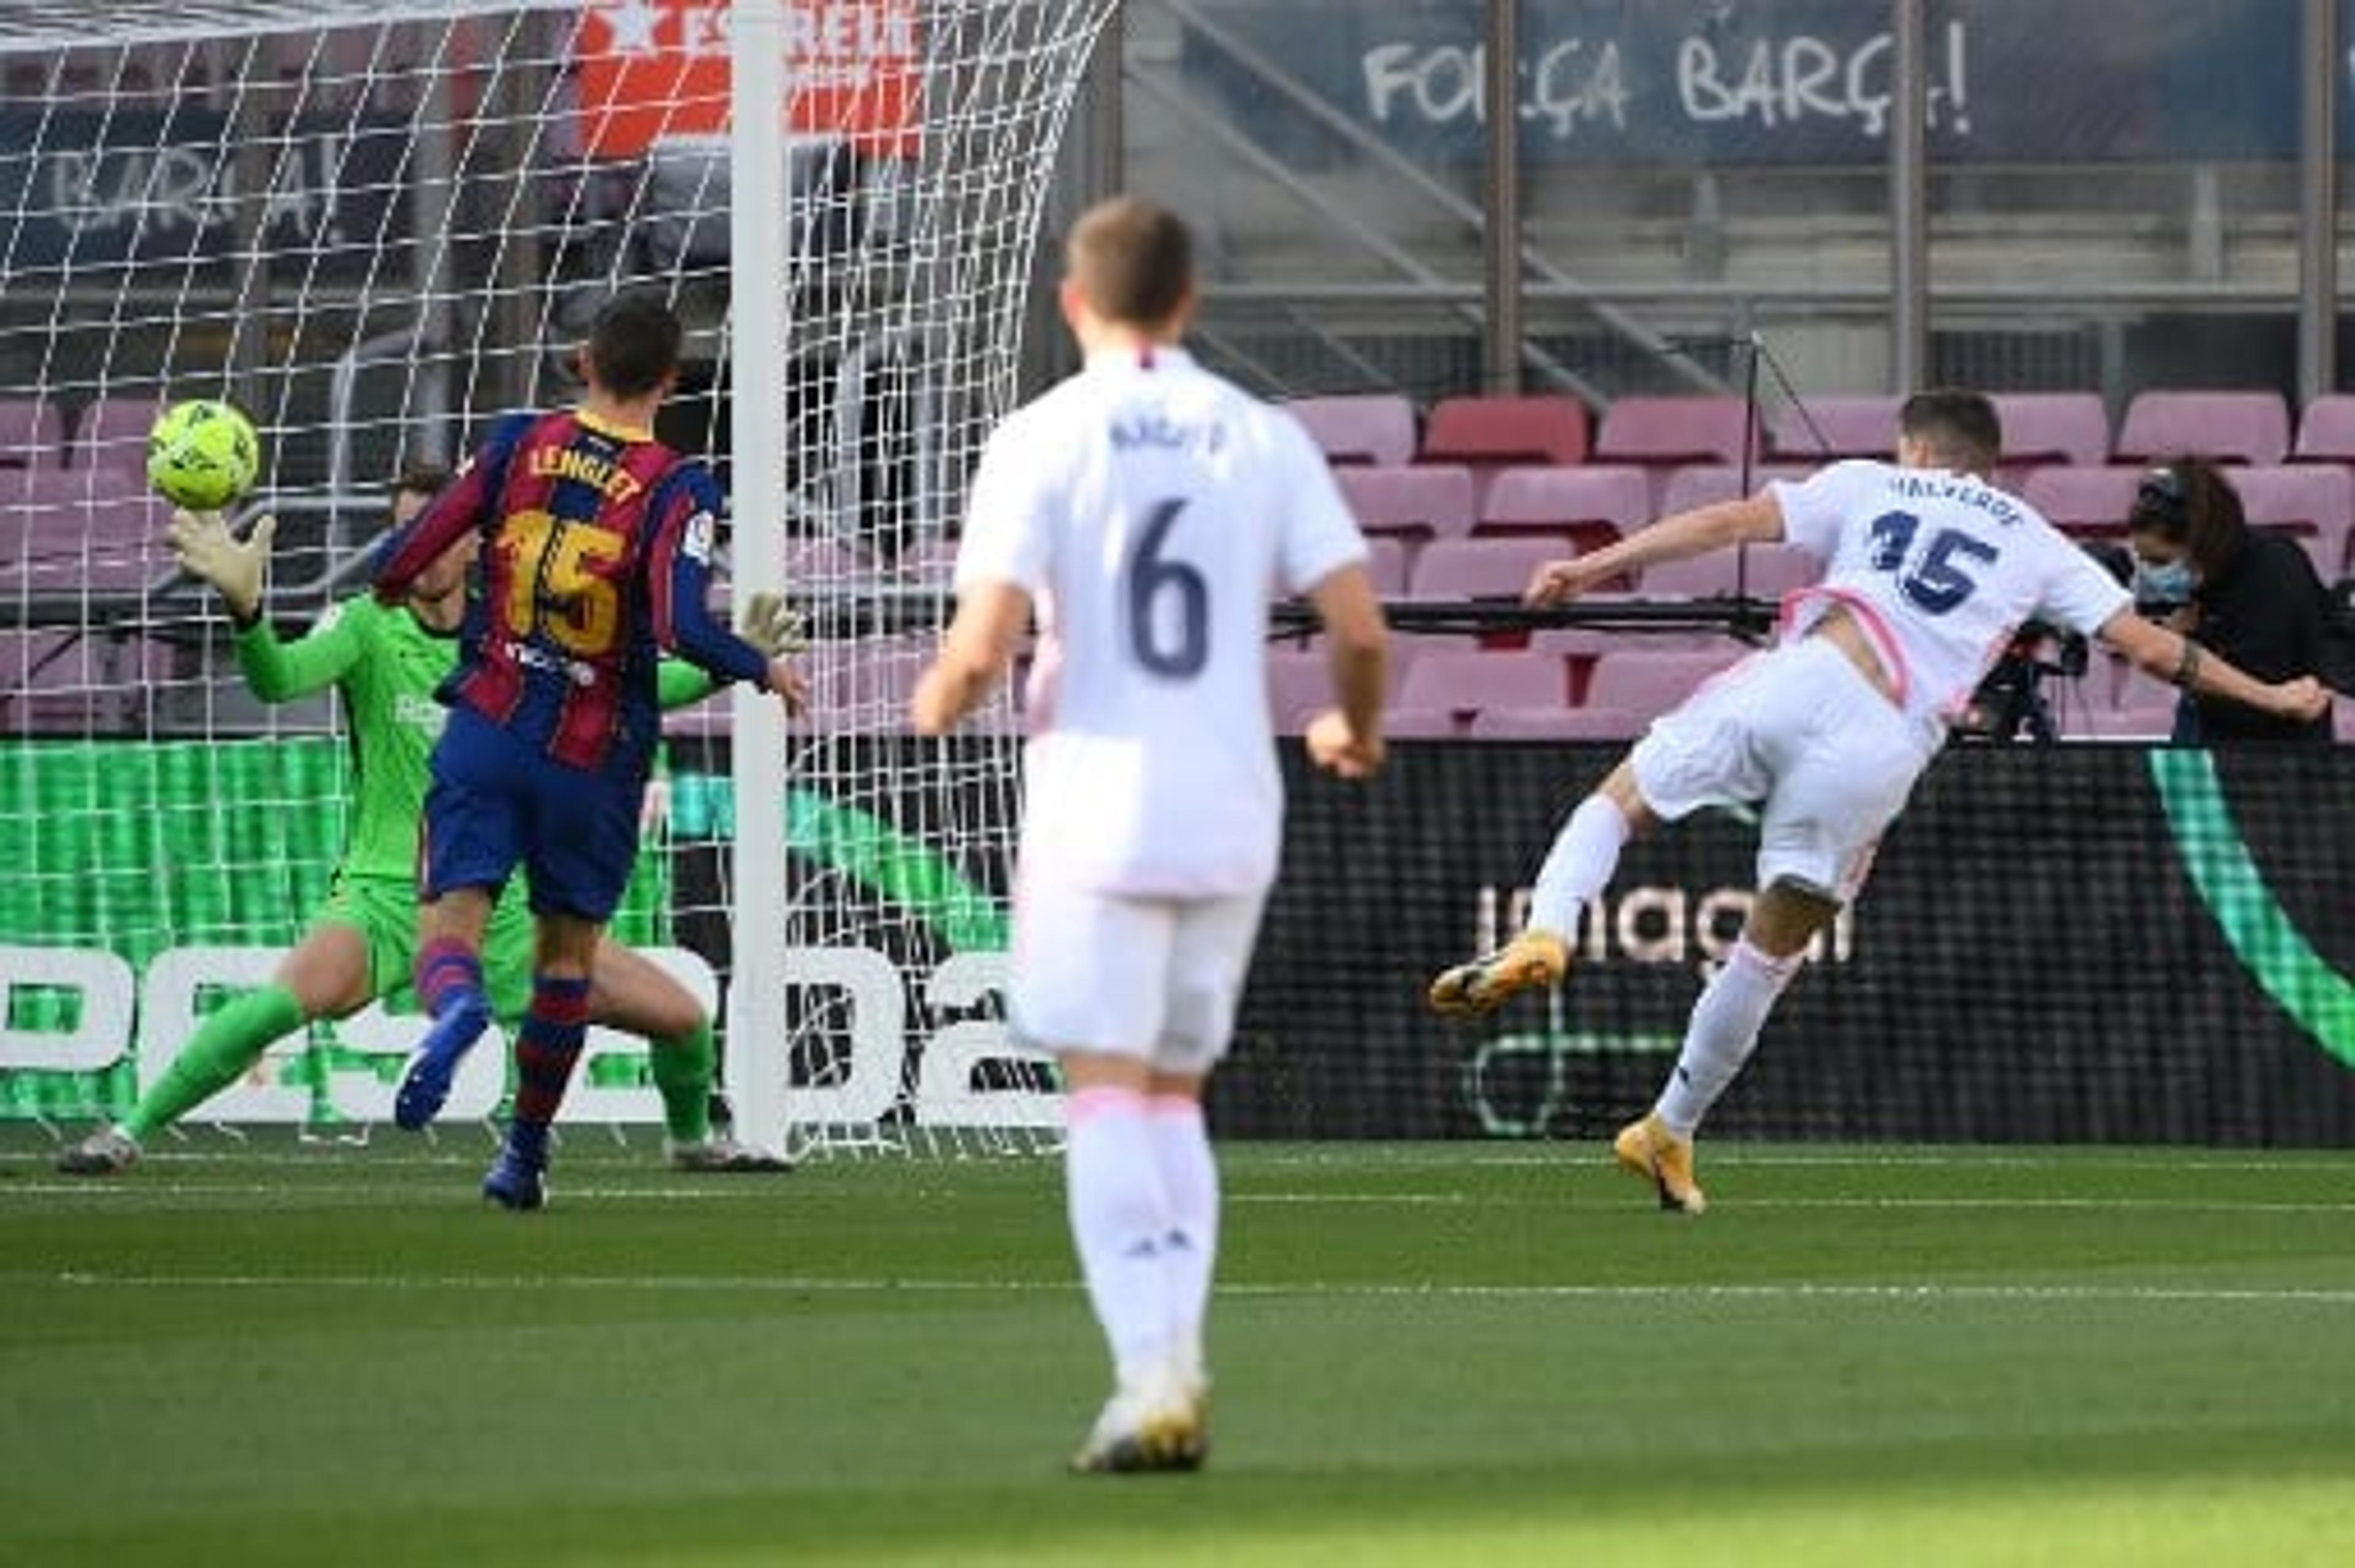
point(496, 803)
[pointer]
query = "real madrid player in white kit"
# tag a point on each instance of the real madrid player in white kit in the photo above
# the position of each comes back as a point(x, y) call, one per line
point(1147, 510)
point(1928, 572)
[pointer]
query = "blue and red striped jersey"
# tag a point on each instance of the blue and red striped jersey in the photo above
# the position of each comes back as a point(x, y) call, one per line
point(596, 557)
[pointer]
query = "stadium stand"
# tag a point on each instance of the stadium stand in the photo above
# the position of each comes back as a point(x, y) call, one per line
point(2042, 428)
point(32, 434)
point(1418, 504)
point(1665, 432)
point(2225, 427)
point(2326, 429)
point(1648, 682)
point(1761, 571)
point(2314, 501)
point(1464, 683)
point(1592, 507)
point(1494, 432)
point(1374, 428)
point(1481, 568)
point(1822, 429)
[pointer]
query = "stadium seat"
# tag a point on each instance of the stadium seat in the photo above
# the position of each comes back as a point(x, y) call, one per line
point(1375, 429)
point(2041, 428)
point(862, 687)
point(1648, 683)
point(2314, 501)
point(2086, 502)
point(1299, 685)
point(2343, 721)
point(2226, 427)
point(63, 681)
point(1465, 683)
point(1593, 507)
point(1584, 645)
point(1419, 503)
point(2326, 431)
point(32, 434)
point(66, 534)
point(827, 561)
point(1761, 571)
point(1422, 725)
point(1822, 429)
point(1587, 723)
point(1705, 483)
point(1660, 432)
point(1386, 560)
point(111, 433)
point(1481, 568)
point(1499, 431)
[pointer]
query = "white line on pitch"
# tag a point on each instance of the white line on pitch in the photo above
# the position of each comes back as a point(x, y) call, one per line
point(1897, 1291)
point(2154, 1205)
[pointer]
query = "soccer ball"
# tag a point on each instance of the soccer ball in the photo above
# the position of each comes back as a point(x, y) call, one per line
point(203, 454)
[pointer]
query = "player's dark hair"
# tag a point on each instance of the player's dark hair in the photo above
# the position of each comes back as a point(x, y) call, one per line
point(425, 479)
point(633, 345)
point(2189, 501)
point(1134, 262)
point(1961, 427)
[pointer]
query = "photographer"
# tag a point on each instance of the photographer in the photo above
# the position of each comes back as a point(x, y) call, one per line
point(2250, 597)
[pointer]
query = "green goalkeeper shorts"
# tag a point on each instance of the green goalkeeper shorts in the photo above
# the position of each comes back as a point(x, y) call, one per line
point(383, 910)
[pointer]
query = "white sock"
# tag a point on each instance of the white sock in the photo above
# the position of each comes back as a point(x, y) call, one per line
point(1584, 854)
point(1189, 1176)
point(1121, 1223)
point(1725, 1023)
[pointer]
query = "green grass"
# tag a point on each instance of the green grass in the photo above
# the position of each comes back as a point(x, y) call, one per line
point(1463, 1354)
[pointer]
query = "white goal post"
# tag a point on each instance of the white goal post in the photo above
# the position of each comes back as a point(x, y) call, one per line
point(377, 224)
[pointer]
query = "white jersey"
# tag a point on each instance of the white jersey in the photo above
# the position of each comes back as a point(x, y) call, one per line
point(1152, 510)
point(1941, 570)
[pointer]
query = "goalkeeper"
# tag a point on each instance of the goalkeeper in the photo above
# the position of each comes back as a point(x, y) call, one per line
point(387, 662)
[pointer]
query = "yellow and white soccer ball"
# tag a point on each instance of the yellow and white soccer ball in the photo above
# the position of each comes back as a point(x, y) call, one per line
point(203, 454)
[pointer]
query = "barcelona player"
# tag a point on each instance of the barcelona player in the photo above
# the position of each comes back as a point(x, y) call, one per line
point(596, 544)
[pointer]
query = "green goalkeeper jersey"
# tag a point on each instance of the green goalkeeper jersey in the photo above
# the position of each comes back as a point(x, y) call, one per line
point(387, 664)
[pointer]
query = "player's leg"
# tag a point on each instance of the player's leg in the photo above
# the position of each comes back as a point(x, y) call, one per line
point(1584, 854)
point(629, 991)
point(1722, 1032)
point(1208, 959)
point(578, 872)
point(450, 988)
point(1089, 972)
point(471, 836)
point(1845, 760)
point(326, 975)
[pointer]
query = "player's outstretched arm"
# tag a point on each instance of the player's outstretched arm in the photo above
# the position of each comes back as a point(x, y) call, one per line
point(764, 621)
point(975, 652)
point(237, 569)
point(1347, 740)
point(1754, 519)
point(2180, 662)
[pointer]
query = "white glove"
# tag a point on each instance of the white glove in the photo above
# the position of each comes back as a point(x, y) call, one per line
point(763, 621)
point(208, 549)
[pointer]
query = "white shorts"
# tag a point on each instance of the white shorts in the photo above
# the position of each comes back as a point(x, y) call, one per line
point(1156, 979)
point(1799, 732)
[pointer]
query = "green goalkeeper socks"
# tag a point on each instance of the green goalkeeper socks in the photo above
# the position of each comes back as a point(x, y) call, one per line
point(223, 1046)
point(683, 1070)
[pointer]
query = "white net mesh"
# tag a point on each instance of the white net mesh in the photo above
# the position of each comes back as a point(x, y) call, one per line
point(374, 227)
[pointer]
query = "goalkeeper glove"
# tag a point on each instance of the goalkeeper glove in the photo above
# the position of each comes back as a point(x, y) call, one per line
point(208, 549)
point(766, 623)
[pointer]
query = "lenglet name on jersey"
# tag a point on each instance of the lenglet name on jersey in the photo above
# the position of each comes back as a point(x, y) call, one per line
point(563, 463)
point(1160, 430)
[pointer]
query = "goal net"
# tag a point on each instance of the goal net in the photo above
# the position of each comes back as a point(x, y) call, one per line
point(375, 227)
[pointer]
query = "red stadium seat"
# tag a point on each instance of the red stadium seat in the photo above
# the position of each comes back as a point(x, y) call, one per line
point(111, 433)
point(1589, 723)
point(1376, 429)
point(2085, 502)
point(1819, 429)
point(1424, 502)
point(2326, 431)
point(64, 681)
point(65, 533)
point(2315, 502)
point(2041, 428)
point(1648, 683)
point(1481, 568)
point(2226, 427)
point(1592, 506)
point(1761, 571)
point(1665, 431)
point(1493, 432)
point(1466, 683)
point(32, 434)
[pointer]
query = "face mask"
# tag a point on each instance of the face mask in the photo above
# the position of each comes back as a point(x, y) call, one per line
point(2170, 584)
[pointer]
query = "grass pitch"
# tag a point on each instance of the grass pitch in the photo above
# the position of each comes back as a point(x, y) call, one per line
point(1481, 1354)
